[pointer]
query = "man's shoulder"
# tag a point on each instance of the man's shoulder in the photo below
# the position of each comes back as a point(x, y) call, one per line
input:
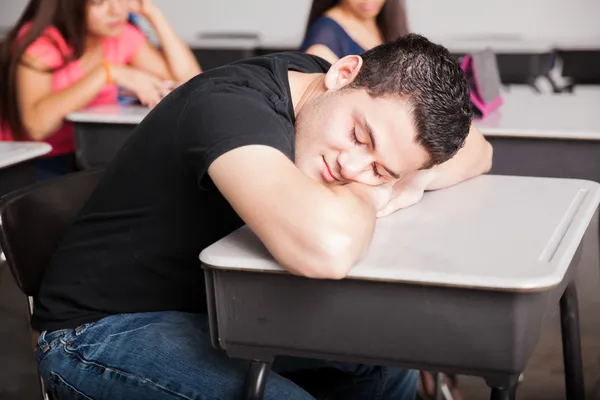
point(259, 70)
point(302, 62)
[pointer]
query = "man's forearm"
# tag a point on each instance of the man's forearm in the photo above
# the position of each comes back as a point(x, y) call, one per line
point(475, 158)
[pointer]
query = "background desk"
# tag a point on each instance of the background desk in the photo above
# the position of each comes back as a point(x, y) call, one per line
point(461, 282)
point(17, 166)
point(218, 49)
point(546, 134)
point(101, 131)
point(581, 59)
point(520, 60)
point(554, 135)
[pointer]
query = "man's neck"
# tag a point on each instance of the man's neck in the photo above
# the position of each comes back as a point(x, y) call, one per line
point(304, 87)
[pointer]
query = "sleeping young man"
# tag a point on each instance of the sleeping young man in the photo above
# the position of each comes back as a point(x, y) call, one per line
point(307, 154)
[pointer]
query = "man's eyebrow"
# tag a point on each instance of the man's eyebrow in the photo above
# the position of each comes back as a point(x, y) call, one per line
point(373, 143)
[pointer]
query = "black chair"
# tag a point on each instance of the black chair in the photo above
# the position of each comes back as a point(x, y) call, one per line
point(33, 220)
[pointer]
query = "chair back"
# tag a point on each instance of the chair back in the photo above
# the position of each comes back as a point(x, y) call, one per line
point(34, 219)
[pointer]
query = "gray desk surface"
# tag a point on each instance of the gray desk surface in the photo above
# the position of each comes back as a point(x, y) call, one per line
point(15, 152)
point(493, 232)
point(224, 42)
point(110, 114)
point(551, 116)
point(500, 44)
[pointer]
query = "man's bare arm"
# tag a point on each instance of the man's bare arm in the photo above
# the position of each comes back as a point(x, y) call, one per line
point(475, 158)
point(311, 229)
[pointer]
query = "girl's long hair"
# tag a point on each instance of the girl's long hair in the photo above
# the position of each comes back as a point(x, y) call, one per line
point(68, 17)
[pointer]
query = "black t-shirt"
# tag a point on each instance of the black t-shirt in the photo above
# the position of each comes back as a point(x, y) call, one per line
point(134, 246)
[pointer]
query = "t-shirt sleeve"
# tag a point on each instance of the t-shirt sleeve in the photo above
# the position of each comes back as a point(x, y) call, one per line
point(131, 41)
point(50, 48)
point(325, 33)
point(214, 124)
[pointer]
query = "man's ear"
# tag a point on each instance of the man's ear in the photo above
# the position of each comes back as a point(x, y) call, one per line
point(343, 72)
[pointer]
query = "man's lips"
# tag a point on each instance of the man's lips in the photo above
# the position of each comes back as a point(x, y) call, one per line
point(330, 175)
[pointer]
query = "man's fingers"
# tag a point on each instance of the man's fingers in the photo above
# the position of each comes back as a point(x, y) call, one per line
point(403, 200)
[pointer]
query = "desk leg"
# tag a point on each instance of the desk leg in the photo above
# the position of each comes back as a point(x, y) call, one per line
point(504, 388)
point(256, 380)
point(571, 341)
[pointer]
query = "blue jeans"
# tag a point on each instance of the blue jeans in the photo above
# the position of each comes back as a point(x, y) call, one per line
point(168, 355)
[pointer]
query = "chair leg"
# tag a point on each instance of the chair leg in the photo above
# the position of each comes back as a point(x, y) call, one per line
point(439, 382)
point(503, 394)
point(571, 342)
point(256, 380)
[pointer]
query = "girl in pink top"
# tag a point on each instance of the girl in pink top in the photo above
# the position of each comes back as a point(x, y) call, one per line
point(64, 55)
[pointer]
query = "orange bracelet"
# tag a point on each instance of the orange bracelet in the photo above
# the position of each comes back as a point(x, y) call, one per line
point(107, 70)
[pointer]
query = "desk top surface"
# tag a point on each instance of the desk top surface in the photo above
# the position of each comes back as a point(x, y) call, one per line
point(15, 152)
point(492, 232)
point(502, 44)
point(110, 114)
point(525, 113)
point(224, 41)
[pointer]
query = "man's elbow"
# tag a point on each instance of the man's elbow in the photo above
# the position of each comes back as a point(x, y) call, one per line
point(334, 267)
point(487, 159)
point(332, 257)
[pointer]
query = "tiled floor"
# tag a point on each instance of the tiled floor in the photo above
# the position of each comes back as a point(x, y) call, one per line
point(543, 376)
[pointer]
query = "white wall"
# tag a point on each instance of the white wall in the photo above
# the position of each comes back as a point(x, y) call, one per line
point(10, 10)
point(545, 19)
point(275, 21)
point(281, 22)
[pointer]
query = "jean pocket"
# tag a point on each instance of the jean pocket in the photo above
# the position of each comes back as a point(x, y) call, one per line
point(47, 341)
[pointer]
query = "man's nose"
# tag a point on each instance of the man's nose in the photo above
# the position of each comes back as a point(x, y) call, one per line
point(352, 165)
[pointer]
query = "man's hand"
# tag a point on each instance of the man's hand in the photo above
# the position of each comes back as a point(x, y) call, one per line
point(473, 159)
point(407, 191)
point(376, 196)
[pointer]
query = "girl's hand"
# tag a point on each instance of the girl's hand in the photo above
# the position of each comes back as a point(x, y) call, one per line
point(142, 7)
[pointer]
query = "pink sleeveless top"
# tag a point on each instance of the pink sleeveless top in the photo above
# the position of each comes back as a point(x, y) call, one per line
point(117, 50)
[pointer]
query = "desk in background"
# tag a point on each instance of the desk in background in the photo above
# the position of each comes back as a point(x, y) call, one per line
point(546, 135)
point(520, 60)
point(17, 163)
point(101, 131)
point(581, 59)
point(555, 135)
point(461, 282)
point(213, 50)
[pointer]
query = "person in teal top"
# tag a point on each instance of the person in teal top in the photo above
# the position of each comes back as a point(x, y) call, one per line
point(337, 28)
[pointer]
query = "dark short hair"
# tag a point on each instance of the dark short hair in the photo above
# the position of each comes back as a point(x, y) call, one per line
point(433, 83)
